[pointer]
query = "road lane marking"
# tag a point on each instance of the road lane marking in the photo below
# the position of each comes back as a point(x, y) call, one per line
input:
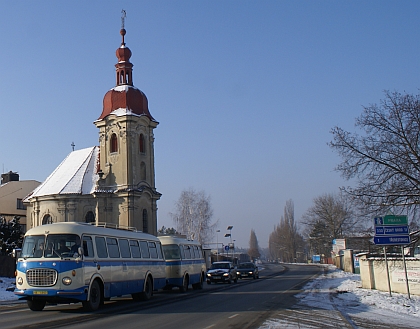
point(233, 316)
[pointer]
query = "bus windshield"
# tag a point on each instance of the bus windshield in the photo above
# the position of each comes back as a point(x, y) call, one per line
point(51, 246)
point(171, 251)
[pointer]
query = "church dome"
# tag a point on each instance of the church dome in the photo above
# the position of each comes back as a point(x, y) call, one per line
point(124, 98)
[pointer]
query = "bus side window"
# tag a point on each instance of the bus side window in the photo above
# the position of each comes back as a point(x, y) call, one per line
point(153, 250)
point(181, 250)
point(200, 252)
point(124, 248)
point(88, 246)
point(101, 247)
point(135, 249)
point(196, 252)
point(144, 249)
point(159, 250)
point(187, 252)
point(113, 250)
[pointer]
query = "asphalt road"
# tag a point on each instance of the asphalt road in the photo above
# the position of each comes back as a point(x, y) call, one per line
point(246, 304)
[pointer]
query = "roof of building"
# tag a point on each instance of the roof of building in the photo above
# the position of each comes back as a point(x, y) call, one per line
point(77, 174)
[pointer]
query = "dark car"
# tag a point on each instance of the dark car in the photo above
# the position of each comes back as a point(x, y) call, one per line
point(221, 272)
point(247, 270)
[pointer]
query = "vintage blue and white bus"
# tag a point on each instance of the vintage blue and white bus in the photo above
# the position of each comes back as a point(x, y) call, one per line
point(78, 262)
point(185, 262)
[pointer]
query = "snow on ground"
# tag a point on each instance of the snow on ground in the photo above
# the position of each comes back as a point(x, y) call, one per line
point(346, 289)
point(7, 284)
point(337, 290)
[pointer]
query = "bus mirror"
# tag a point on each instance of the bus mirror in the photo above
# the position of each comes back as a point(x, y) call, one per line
point(80, 251)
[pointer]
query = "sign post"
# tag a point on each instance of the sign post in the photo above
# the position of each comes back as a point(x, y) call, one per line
point(392, 230)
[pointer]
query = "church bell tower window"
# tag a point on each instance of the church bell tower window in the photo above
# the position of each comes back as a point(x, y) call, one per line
point(145, 222)
point(141, 143)
point(114, 143)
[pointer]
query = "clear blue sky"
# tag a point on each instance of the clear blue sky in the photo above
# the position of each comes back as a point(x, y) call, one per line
point(246, 92)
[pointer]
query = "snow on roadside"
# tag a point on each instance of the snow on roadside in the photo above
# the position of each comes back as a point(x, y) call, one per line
point(346, 292)
point(5, 285)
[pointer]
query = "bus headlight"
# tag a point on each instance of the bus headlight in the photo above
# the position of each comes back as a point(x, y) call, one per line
point(19, 280)
point(66, 280)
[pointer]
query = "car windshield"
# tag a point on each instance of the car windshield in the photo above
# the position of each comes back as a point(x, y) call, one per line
point(171, 251)
point(220, 265)
point(51, 246)
point(246, 265)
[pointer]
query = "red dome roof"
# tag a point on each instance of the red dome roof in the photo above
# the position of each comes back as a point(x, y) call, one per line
point(125, 97)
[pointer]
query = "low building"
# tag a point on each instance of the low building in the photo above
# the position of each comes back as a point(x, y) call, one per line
point(12, 193)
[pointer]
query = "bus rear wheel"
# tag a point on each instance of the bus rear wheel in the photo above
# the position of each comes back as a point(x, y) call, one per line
point(185, 283)
point(198, 285)
point(148, 290)
point(94, 297)
point(36, 304)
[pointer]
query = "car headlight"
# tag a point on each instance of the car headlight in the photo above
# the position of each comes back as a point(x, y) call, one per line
point(208, 274)
point(251, 272)
point(226, 274)
point(66, 280)
point(19, 280)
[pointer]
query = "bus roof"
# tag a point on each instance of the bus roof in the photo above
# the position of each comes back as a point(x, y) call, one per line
point(80, 228)
point(173, 239)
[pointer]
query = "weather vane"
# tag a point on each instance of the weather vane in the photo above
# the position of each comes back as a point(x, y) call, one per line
point(123, 16)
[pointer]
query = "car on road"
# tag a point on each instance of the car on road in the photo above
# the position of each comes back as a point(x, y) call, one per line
point(222, 272)
point(247, 270)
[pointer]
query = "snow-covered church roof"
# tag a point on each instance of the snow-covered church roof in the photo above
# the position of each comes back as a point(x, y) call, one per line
point(75, 175)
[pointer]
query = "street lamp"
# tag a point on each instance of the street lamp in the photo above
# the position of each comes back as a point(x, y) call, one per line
point(229, 228)
point(217, 245)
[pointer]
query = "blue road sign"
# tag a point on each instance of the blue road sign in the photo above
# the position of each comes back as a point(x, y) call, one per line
point(379, 221)
point(226, 247)
point(392, 230)
point(392, 240)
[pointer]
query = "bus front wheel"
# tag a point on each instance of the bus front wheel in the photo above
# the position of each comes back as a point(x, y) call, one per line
point(36, 304)
point(94, 297)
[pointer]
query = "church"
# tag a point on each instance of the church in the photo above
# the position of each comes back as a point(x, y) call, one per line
point(113, 183)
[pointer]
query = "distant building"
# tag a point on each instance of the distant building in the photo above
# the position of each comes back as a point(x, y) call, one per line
point(115, 181)
point(12, 193)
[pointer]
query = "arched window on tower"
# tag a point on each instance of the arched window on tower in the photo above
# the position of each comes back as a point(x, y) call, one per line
point(90, 217)
point(142, 171)
point(145, 222)
point(47, 219)
point(114, 143)
point(122, 77)
point(141, 144)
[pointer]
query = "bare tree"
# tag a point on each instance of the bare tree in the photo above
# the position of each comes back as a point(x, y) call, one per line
point(331, 217)
point(285, 242)
point(193, 215)
point(385, 160)
point(254, 249)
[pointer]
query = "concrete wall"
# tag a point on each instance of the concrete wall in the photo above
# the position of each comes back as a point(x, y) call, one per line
point(373, 274)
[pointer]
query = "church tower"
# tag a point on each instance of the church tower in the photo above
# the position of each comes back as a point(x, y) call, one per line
point(125, 192)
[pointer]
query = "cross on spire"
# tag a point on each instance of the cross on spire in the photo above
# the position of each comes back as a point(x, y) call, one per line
point(123, 16)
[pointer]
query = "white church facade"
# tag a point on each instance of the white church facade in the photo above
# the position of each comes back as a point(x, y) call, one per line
point(113, 183)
